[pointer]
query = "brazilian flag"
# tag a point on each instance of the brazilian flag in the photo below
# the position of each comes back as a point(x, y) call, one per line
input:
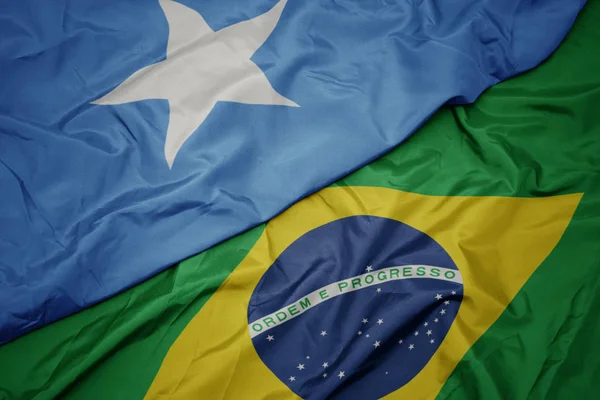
point(465, 264)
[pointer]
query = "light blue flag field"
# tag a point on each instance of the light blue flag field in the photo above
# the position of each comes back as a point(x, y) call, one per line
point(134, 134)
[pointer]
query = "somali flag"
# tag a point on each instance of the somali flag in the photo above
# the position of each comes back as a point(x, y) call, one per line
point(134, 134)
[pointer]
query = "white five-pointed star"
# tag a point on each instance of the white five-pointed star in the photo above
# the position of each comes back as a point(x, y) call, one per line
point(412, 346)
point(436, 320)
point(378, 290)
point(432, 341)
point(202, 67)
point(323, 333)
point(379, 321)
point(292, 378)
point(325, 375)
point(401, 341)
point(443, 311)
point(438, 296)
point(429, 332)
point(364, 321)
point(325, 365)
point(377, 343)
point(300, 366)
point(270, 338)
point(454, 292)
point(416, 333)
point(368, 335)
point(359, 333)
point(341, 374)
point(426, 323)
point(308, 357)
point(369, 268)
point(447, 302)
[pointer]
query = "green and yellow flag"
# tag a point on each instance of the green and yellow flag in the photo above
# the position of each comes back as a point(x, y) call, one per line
point(465, 264)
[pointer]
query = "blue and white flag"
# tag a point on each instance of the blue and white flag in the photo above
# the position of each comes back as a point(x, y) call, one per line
point(134, 134)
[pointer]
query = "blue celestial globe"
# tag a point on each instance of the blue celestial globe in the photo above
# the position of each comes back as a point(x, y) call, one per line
point(354, 309)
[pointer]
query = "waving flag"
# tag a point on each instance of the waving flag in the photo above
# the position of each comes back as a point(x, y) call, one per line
point(134, 134)
point(480, 233)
